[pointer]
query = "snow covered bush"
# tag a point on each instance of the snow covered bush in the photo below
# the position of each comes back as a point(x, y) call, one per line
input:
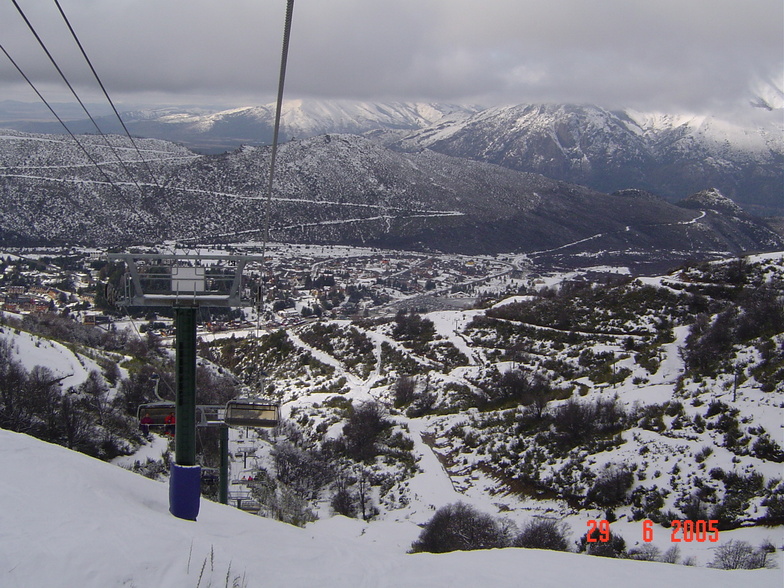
point(740, 555)
point(543, 534)
point(460, 527)
point(611, 486)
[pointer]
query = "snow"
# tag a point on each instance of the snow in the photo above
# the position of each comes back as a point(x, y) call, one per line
point(62, 362)
point(153, 450)
point(70, 520)
point(95, 524)
point(513, 300)
point(712, 130)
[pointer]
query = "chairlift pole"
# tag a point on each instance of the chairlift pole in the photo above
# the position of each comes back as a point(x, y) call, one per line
point(185, 477)
point(223, 491)
point(185, 367)
point(184, 282)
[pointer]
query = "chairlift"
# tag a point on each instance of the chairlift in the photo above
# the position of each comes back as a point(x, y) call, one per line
point(206, 415)
point(157, 411)
point(251, 412)
point(210, 474)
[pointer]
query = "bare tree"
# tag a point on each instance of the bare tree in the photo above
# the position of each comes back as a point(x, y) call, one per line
point(740, 555)
point(96, 391)
point(672, 555)
point(43, 396)
point(14, 414)
point(361, 431)
point(344, 500)
point(76, 424)
point(363, 495)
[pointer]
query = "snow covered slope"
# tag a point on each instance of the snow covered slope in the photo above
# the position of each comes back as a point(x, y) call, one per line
point(68, 520)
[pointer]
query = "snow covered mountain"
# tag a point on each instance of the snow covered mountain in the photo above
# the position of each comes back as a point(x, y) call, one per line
point(337, 189)
point(217, 132)
point(670, 155)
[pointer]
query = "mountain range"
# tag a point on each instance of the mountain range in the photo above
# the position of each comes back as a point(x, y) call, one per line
point(670, 155)
point(218, 131)
point(343, 189)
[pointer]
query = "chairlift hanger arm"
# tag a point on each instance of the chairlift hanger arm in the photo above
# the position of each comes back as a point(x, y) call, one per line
point(185, 290)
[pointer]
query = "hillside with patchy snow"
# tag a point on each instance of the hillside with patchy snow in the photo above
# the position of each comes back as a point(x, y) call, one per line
point(625, 401)
point(649, 399)
point(337, 189)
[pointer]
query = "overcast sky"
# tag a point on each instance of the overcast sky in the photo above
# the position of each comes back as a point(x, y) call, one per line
point(665, 55)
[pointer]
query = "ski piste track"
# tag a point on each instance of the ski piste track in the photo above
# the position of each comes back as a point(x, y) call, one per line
point(693, 221)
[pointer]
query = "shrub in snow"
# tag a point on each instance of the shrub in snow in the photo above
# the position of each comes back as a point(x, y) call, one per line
point(774, 515)
point(460, 527)
point(693, 508)
point(611, 486)
point(543, 534)
point(404, 391)
point(577, 422)
point(362, 430)
point(344, 502)
point(592, 544)
point(646, 552)
point(709, 343)
point(672, 555)
point(703, 454)
point(766, 448)
point(280, 502)
point(304, 470)
point(424, 403)
point(740, 555)
point(414, 331)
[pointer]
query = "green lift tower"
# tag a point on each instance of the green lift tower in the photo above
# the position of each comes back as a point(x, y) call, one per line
point(185, 282)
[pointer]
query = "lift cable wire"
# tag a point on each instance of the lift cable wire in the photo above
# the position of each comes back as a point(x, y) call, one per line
point(70, 87)
point(278, 108)
point(274, 151)
point(82, 147)
point(105, 93)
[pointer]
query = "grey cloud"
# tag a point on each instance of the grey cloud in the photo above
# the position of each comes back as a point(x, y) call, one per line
point(664, 54)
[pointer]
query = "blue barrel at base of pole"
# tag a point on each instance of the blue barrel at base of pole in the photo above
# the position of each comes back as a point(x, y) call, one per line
point(184, 491)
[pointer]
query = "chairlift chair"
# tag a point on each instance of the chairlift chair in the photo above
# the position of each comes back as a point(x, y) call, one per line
point(158, 412)
point(251, 412)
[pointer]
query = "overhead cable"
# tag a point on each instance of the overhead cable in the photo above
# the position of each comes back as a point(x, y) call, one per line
point(73, 91)
point(105, 93)
point(274, 152)
point(82, 147)
point(278, 108)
